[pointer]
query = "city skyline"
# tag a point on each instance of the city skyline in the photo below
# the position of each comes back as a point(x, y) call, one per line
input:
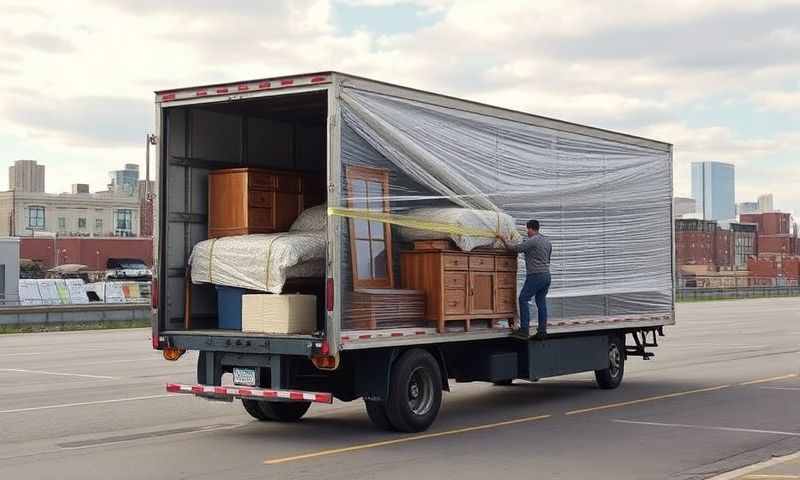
point(673, 72)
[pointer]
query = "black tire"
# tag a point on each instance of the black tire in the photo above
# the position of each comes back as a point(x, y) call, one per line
point(285, 411)
point(610, 378)
point(415, 391)
point(377, 414)
point(252, 407)
point(201, 368)
point(503, 383)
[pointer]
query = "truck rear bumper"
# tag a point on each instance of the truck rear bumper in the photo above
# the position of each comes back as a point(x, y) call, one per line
point(249, 393)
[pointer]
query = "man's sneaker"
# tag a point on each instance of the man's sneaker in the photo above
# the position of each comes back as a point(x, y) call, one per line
point(540, 335)
point(523, 333)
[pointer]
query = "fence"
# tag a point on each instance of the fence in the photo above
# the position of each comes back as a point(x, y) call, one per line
point(696, 294)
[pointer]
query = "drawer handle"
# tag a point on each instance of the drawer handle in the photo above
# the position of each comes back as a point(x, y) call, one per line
point(452, 304)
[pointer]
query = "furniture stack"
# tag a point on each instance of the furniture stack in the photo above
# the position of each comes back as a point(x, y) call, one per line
point(385, 308)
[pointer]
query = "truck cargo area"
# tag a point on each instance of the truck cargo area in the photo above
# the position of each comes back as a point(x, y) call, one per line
point(286, 133)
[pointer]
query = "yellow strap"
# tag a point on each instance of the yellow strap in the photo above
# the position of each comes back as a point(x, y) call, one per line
point(269, 258)
point(415, 222)
point(211, 257)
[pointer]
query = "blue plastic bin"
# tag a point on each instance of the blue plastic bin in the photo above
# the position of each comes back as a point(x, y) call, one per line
point(229, 307)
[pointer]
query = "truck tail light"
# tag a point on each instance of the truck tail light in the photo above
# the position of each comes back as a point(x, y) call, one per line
point(324, 362)
point(329, 295)
point(173, 354)
point(154, 293)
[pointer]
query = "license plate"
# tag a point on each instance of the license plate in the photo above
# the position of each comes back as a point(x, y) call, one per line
point(244, 376)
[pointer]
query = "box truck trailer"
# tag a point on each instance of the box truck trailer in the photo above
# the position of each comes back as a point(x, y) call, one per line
point(381, 205)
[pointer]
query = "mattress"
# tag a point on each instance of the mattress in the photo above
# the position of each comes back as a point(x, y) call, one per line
point(492, 221)
point(260, 262)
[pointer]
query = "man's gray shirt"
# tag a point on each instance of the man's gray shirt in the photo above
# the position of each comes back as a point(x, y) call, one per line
point(537, 250)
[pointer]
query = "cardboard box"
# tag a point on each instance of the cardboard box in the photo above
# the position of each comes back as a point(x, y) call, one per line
point(267, 313)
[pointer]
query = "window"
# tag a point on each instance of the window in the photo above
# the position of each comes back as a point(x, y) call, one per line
point(62, 224)
point(36, 218)
point(370, 241)
point(98, 224)
point(123, 221)
point(81, 223)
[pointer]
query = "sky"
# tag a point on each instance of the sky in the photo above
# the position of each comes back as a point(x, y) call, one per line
point(718, 79)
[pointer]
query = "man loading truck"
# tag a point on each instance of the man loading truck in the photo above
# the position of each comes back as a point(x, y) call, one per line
point(537, 249)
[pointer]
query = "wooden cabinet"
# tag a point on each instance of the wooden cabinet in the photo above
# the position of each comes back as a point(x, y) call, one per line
point(250, 200)
point(462, 286)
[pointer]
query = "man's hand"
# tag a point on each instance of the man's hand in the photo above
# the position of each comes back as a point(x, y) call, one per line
point(498, 237)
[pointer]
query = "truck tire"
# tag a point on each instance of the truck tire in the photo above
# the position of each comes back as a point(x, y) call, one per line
point(610, 378)
point(415, 391)
point(284, 411)
point(252, 407)
point(376, 411)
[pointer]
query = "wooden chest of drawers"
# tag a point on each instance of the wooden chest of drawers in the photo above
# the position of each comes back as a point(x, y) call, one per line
point(250, 200)
point(462, 285)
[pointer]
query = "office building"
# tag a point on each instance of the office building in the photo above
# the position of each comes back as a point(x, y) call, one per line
point(26, 176)
point(746, 207)
point(126, 180)
point(765, 203)
point(713, 190)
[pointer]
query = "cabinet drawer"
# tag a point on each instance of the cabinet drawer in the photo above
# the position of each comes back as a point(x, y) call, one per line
point(455, 280)
point(481, 263)
point(455, 262)
point(263, 181)
point(260, 198)
point(260, 218)
point(455, 302)
point(506, 280)
point(506, 264)
point(506, 300)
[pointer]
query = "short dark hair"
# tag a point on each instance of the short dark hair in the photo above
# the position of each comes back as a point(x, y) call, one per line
point(533, 224)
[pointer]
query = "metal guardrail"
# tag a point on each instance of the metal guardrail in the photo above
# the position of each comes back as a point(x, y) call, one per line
point(696, 294)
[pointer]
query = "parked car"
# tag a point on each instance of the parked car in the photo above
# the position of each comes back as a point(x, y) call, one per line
point(131, 269)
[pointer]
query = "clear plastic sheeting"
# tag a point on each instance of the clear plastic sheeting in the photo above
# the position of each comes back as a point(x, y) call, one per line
point(605, 205)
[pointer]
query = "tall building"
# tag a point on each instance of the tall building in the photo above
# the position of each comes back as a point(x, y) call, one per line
point(125, 180)
point(747, 207)
point(713, 190)
point(26, 176)
point(765, 203)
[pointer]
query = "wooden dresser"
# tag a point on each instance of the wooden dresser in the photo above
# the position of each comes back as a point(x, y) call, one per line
point(463, 286)
point(251, 200)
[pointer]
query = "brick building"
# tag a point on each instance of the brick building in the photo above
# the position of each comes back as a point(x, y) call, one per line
point(90, 251)
point(775, 236)
point(706, 243)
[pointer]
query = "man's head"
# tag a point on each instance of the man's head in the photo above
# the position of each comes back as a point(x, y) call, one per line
point(533, 227)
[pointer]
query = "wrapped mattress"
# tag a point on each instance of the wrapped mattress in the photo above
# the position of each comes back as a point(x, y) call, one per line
point(264, 261)
point(494, 223)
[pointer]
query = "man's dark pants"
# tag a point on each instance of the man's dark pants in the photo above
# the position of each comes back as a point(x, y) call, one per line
point(536, 286)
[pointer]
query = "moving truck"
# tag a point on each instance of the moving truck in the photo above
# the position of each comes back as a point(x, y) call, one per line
point(412, 291)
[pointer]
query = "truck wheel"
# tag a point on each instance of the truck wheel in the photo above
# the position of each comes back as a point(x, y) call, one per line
point(377, 414)
point(285, 411)
point(415, 391)
point(252, 407)
point(610, 378)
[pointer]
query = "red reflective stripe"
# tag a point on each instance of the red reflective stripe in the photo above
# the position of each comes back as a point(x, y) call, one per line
point(220, 390)
point(172, 387)
point(222, 90)
point(167, 97)
point(296, 396)
point(269, 393)
point(244, 392)
point(197, 389)
point(364, 336)
point(397, 334)
point(264, 85)
point(318, 79)
point(420, 333)
point(243, 88)
point(288, 81)
point(201, 93)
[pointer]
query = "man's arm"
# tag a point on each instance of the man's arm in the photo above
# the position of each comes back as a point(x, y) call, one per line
point(520, 247)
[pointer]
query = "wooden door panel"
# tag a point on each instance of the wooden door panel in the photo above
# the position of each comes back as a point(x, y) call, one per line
point(481, 289)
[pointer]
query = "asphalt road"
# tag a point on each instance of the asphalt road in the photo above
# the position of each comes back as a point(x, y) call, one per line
point(722, 392)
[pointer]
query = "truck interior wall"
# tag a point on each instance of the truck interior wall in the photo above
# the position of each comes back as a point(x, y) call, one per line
point(286, 132)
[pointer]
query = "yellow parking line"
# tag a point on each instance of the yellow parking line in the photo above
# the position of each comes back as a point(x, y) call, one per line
point(771, 379)
point(413, 438)
point(646, 399)
point(765, 476)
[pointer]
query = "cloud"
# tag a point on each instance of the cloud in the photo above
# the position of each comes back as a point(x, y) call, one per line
point(41, 41)
point(781, 101)
point(83, 121)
